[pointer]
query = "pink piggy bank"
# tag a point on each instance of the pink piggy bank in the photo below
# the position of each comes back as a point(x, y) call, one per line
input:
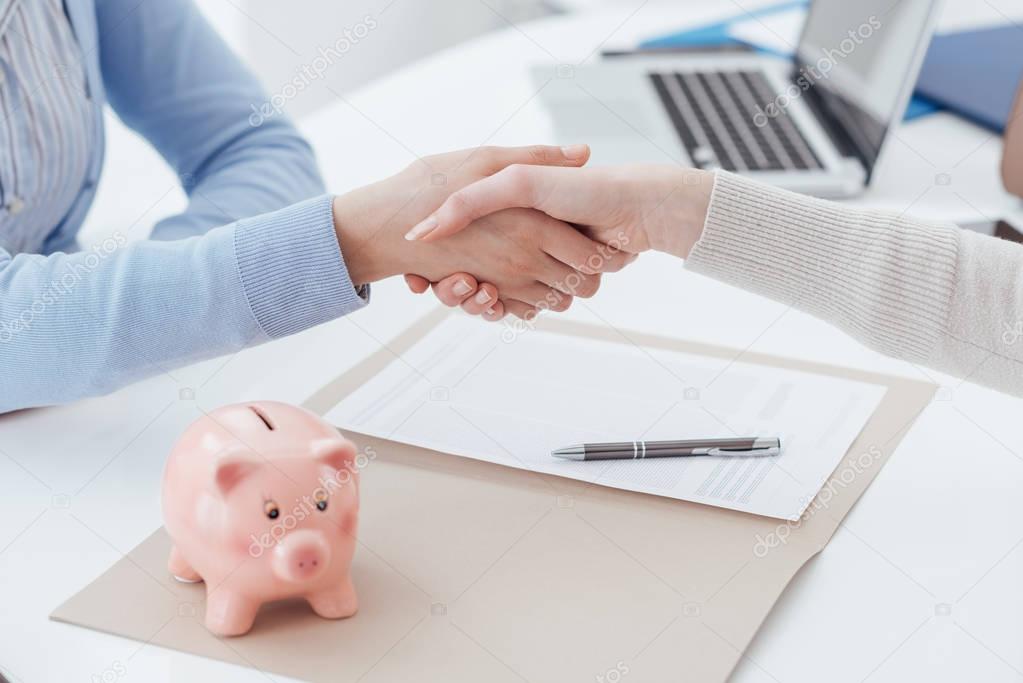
point(261, 501)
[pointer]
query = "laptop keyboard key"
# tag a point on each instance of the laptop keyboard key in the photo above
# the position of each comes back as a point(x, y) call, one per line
point(715, 114)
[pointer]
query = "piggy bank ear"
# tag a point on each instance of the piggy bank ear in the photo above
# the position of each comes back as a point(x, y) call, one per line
point(338, 453)
point(232, 470)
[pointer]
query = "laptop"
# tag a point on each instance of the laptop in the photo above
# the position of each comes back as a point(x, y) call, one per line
point(816, 122)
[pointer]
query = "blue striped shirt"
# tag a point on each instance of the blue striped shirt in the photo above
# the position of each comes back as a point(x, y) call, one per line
point(252, 258)
point(46, 126)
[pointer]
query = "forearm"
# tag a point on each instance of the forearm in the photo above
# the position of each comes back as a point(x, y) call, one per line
point(74, 325)
point(201, 109)
point(258, 171)
point(929, 294)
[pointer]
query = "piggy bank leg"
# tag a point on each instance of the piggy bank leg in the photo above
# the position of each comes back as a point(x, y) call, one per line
point(335, 603)
point(229, 614)
point(180, 569)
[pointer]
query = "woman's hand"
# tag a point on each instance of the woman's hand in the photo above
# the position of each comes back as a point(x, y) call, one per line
point(462, 289)
point(634, 208)
point(532, 259)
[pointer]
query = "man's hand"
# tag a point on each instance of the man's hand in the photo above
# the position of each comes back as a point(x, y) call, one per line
point(531, 259)
point(634, 207)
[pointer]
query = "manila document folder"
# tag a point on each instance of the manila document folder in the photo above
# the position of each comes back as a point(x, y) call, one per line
point(472, 571)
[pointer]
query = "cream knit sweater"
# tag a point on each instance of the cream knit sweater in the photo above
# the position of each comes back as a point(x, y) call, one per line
point(930, 294)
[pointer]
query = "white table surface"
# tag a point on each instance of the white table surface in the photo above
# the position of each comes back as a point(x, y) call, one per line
point(924, 580)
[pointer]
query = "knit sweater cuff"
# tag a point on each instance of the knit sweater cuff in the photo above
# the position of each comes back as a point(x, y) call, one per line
point(885, 279)
point(292, 269)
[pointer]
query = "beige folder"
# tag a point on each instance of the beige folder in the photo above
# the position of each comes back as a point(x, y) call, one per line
point(471, 571)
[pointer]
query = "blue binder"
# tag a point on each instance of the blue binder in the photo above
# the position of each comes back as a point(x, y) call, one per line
point(975, 73)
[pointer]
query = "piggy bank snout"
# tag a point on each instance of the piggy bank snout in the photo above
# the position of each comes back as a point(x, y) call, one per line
point(301, 556)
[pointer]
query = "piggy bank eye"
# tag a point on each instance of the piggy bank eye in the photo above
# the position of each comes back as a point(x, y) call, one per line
point(271, 509)
point(321, 501)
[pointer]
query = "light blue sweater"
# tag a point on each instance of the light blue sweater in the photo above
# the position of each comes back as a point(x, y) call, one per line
point(248, 261)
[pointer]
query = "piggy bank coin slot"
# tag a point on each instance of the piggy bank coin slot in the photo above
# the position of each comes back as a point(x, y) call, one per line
point(262, 416)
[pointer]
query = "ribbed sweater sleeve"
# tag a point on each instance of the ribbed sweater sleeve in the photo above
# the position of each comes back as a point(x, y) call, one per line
point(930, 294)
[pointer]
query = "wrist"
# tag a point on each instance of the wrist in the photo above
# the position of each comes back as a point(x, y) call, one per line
point(371, 248)
point(688, 200)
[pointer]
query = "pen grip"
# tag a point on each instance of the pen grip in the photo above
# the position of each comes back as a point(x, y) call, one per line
point(640, 455)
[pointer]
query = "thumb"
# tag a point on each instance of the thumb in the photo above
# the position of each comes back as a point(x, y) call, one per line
point(514, 187)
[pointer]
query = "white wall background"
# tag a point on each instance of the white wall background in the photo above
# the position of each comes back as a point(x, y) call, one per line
point(282, 41)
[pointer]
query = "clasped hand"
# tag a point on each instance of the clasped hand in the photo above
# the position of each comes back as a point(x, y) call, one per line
point(516, 260)
point(518, 230)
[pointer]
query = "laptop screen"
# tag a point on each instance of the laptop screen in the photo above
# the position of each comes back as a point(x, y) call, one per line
point(859, 58)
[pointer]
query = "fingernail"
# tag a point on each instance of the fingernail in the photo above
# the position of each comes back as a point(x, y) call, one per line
point(574, 152)
point(490, 312)
point(462, 288)
point(482, 297)
point(422, 229)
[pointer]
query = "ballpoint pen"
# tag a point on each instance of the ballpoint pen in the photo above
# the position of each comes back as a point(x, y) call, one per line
point(637, 450)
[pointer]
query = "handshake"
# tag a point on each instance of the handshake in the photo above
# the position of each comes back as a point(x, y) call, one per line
point(516, 230)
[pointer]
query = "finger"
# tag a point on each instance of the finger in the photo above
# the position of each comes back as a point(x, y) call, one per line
point(514, 186)
point(417, 283)
point(495, 312)
point(539, 295)
point(559, 239)
point(574, 283)
point(520, 309)
point(557, 304)
point(572, 248)
point(454, 289)
point(485, 297)
point(611, 253)
point(537, 155)
point(565, 279)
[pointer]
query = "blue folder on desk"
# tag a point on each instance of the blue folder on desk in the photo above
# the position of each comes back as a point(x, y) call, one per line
point(717, 35)
point(975, 73)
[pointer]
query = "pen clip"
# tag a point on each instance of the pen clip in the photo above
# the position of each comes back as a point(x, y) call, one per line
point(745, 452)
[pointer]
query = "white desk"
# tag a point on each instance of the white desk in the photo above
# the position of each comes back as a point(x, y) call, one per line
point(923, 581)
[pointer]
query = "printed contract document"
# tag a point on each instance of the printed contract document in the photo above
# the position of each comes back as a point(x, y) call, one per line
point(479, 391)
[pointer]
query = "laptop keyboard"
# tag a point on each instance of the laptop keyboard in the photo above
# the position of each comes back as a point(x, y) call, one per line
point(716, 116)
